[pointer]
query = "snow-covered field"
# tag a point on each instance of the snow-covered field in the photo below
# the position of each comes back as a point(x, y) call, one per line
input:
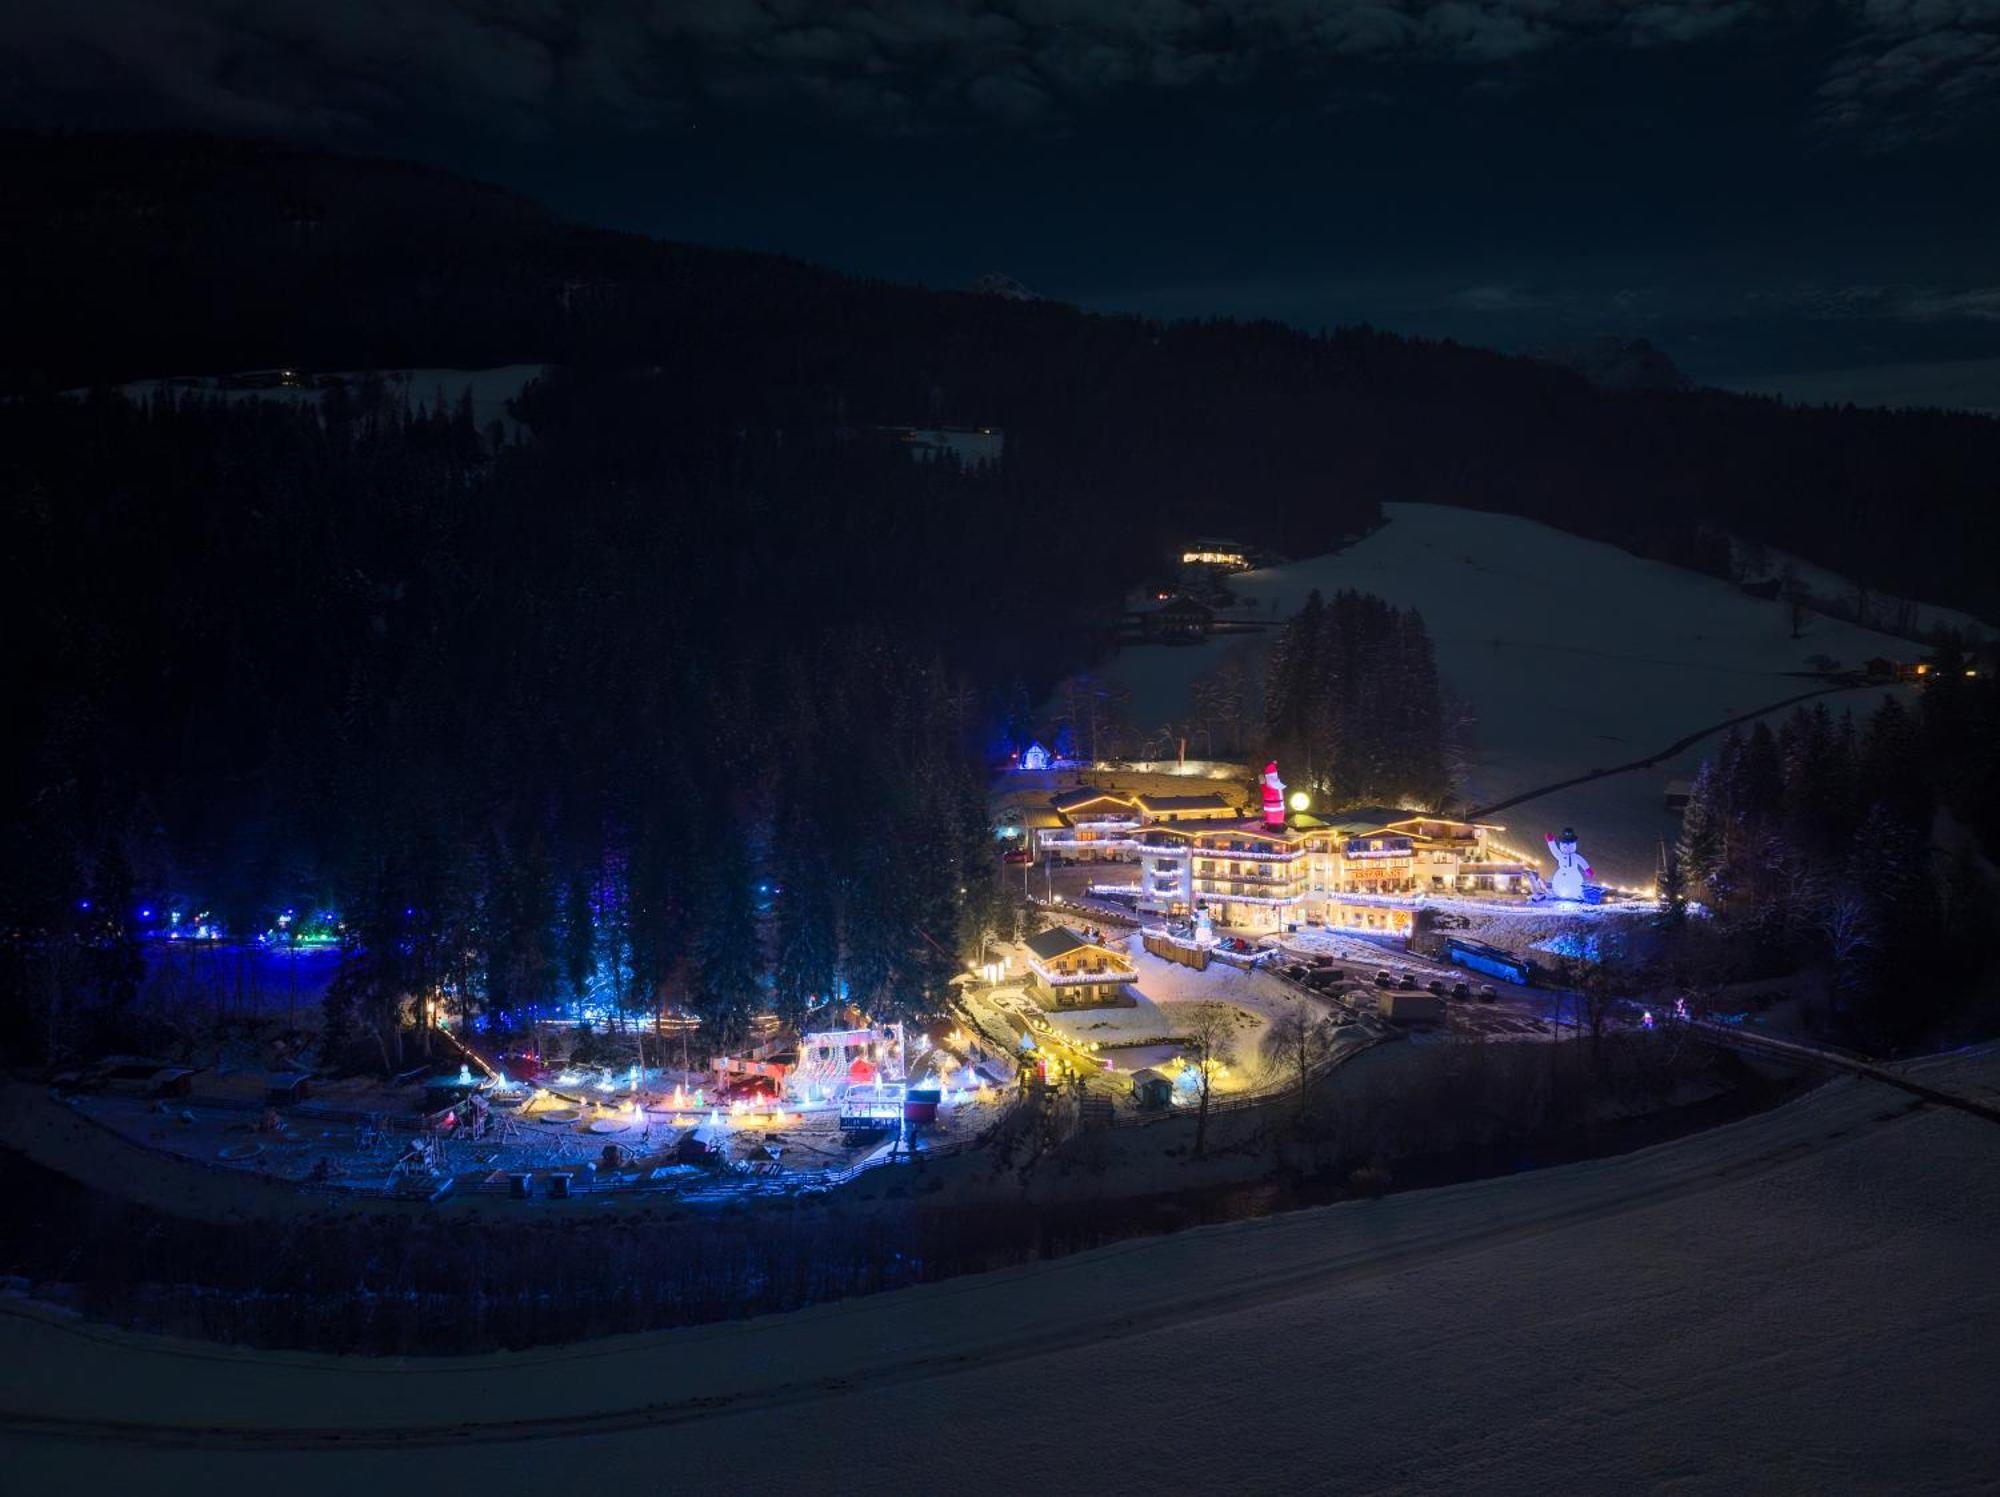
point(1801, 1302)
point(1571, 654)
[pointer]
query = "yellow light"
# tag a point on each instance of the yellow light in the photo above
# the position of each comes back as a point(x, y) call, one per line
point(1300, 800)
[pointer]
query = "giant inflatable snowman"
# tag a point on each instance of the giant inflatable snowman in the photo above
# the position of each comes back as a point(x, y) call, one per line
point(1571, 869)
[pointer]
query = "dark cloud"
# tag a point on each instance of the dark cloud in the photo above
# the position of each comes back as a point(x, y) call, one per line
point(1920, 304)
point(526, 67)
point(1918, 69)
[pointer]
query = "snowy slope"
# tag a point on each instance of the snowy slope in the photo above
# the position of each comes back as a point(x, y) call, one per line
point(1572, 655)
point(1801, 1302)
point(1906, 615)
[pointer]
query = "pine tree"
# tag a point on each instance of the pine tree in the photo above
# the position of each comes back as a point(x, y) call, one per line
point(579, 937)
point(1673, 889)
point(1704, 839)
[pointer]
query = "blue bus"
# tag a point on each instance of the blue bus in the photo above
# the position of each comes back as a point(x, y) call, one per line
point(1490, 960)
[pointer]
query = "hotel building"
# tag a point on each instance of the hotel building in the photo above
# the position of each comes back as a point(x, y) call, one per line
point(1364, 869)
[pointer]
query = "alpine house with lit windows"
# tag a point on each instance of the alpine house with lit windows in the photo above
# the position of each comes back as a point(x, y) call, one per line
point(1066, 970)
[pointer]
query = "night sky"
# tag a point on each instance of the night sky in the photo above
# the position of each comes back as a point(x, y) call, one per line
point(1781, 195)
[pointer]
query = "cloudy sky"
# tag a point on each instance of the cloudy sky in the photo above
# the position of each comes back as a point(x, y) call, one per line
point(1793, 194)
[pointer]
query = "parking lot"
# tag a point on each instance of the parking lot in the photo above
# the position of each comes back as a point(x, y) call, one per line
point(1344, 969)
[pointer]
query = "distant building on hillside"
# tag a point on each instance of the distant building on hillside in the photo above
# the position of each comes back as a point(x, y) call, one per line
point(1223, 556)
point(1179, 620)
point(971, 446)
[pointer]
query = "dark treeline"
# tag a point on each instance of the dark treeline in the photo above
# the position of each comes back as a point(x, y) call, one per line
point(1853, 848)
point(1352, 703)
point(147, 255)
point(661, 706)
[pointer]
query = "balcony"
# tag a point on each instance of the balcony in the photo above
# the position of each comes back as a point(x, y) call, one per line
point(1236, 855)
point(1224, 896)
point(1097, 976)
point(1257, 877)
point(1098, 844)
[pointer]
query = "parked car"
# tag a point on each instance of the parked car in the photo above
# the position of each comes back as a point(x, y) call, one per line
point(1322, 961)
point(1460, 990)
point(1439, 986)
point(1297, 972)
point(1407, 981)
point(1385, 979)
point(1487, 993)
point(1017, 856)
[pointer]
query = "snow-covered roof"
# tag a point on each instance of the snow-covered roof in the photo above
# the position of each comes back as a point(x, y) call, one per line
point(1083, 795)
point(1050, 944)
point(1208, 802)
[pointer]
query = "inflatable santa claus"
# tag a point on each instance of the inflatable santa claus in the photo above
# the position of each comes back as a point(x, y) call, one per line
point(1274, 797)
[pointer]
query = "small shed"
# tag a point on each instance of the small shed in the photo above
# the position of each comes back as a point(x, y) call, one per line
point(693, 1148)
point(1152, 1088)
point(172, 1081)
point(283, 1088)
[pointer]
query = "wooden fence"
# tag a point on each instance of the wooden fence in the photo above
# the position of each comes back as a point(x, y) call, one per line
point(1167, 949)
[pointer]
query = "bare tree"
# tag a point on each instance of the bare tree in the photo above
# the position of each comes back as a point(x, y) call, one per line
point(1848, 923)
point(1298, 1041)
point(1210, 1033)
point(1594, 991)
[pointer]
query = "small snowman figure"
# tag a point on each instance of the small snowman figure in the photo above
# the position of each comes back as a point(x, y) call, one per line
point(1571, 868)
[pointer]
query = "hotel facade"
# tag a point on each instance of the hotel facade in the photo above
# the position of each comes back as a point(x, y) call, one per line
point(1364, 870)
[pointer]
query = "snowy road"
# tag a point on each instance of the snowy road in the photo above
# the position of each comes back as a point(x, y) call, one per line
point(1799, 1302)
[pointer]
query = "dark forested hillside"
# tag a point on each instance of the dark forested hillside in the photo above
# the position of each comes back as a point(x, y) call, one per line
point(552, 718)
point(150, 255)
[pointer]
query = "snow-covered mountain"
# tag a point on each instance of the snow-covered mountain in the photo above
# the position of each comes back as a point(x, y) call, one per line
point(1613, 363)
point(994, 283)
